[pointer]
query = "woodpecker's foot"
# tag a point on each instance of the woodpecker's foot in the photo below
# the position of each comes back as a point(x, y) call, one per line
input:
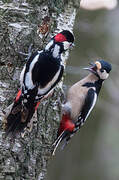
point(27, 129)
point(30, 125)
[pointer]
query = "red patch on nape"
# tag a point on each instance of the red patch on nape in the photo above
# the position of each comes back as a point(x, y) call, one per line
point(66, 124)
point(18, 95)
point(60, 38)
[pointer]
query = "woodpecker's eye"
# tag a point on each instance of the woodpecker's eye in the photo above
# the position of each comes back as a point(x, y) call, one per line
point(102, 70)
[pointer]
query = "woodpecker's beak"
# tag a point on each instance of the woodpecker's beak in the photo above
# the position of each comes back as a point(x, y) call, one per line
point(92, 69)
point(72, 45)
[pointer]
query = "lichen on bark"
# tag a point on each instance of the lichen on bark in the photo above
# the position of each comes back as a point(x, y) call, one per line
point(28, 157)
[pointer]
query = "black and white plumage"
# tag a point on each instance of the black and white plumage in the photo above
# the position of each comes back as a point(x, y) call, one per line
point(81, 99)
point(39, 76)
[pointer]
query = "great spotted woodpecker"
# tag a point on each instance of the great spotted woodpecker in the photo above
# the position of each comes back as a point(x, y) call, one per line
point(39, 76)
point(81, 99)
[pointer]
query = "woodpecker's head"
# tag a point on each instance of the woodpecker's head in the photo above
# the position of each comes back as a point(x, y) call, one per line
point(64, 39)
point(100, 68)
point(60, 42)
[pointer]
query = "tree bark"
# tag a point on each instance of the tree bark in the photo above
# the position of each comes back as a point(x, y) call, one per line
point(27, 158)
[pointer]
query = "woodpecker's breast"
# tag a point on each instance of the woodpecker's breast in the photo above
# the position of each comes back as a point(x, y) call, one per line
point(76, 96)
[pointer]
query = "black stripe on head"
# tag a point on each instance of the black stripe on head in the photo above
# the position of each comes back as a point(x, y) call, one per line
point(69, 36)
point(105, 65)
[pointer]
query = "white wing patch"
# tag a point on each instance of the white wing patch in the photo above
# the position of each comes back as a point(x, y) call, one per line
point(28, 78)
point(23, 70)
point(81, 121)
point(93, 104)
point(41, 91)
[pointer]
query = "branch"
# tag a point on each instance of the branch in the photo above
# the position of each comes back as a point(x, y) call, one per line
point(28, 157)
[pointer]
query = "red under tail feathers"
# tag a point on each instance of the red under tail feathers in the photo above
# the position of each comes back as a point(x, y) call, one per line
point(36, 107)
point(66, 124)
point(18, 95)
point(64, 131)
point(19, 116)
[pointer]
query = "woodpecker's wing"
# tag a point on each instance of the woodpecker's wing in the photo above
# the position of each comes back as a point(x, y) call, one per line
point(43, 68)
point(43, 71)
point(89, 104)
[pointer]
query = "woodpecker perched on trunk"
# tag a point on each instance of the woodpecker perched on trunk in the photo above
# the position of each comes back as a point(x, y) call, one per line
point(39, 76)
point(81, 99)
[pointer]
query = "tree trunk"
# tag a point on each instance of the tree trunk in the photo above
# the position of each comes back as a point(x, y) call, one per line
point(26, 158)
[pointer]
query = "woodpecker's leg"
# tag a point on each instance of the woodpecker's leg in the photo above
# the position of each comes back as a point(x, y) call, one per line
point(30, 125)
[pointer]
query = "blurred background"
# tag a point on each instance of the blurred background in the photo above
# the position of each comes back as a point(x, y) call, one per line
point(93, 153)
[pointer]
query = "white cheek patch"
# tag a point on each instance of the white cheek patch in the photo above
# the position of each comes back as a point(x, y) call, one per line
point(66, 45)
point(103, 75)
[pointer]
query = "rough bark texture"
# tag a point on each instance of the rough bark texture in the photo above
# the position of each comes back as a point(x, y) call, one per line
point(27, 158)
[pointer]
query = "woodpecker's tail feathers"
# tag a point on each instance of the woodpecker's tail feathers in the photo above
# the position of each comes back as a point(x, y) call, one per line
point(13, 118)
point(19, 116)
point(18, 119)
point(64, 136)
